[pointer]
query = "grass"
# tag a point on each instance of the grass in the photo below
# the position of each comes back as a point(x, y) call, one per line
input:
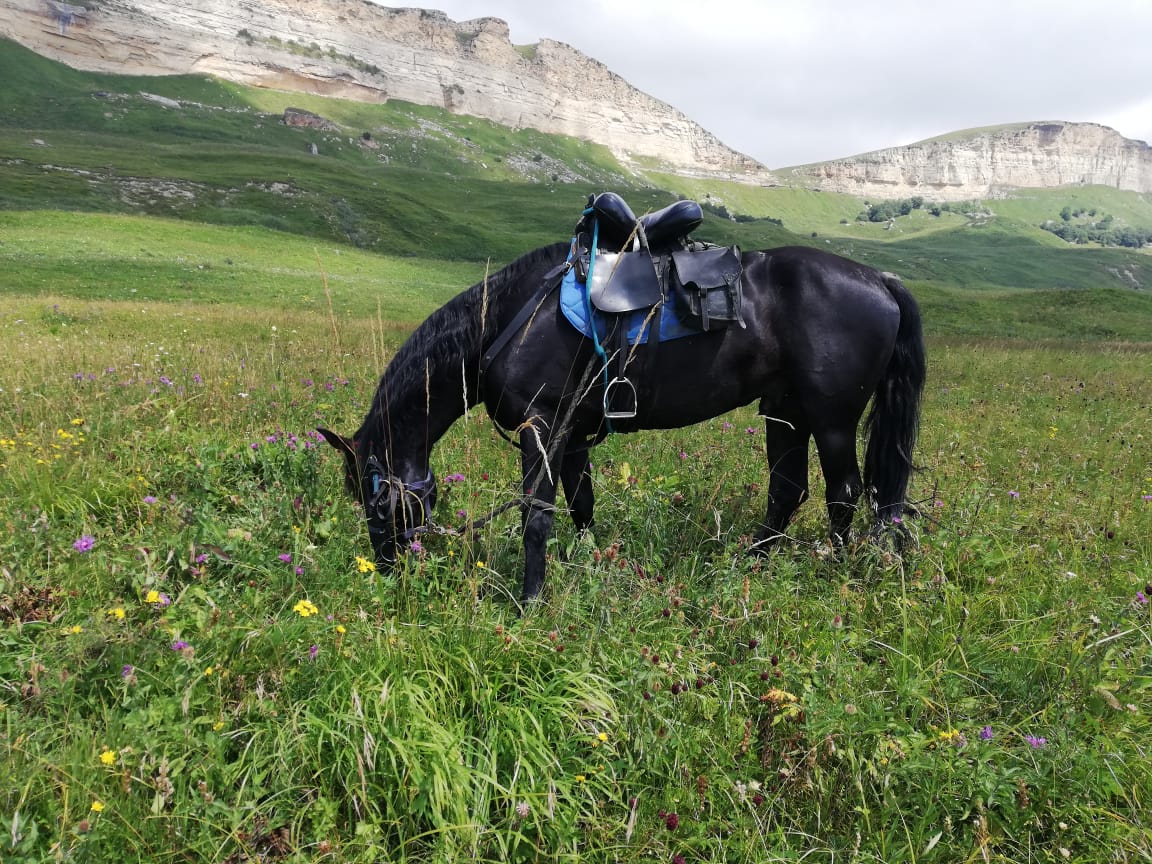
point(196, 662)
point(169, 689)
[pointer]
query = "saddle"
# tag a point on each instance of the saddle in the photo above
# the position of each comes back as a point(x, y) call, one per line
point(630, 265)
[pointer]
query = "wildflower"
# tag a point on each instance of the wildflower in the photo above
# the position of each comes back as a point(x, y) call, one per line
point(77, 421)
point(149, 499)
point(480, 565)
point(1013, 494)
point(304, 608)
point(751, 430)
point(286, 557)
point(108, 757)
point(84, 544)
point(522, 809)
point(986, 733)
point(580, 778)
point(313, 651)
point(340, 629)
point(602, 737)
point(74, 630)
point(1142, 598)
point(208, 672)
point(1036, 741)
point(180, 645)
point(127, 671)
point(672, 821)
point(97, 807)
point(156, 598)
point(218, 725)
point(416, 547)
point(778, 696)
point(365, 565)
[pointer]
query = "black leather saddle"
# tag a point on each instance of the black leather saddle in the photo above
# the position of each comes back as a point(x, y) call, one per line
point(630, 253)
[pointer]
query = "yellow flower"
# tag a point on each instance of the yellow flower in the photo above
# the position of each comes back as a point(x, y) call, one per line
point(108, 757)
point(74, 629)
point(218, 725)
point(77, 421)
point(97, 807)
point(778, 696)
point(365, 565)
point(117, 613)
point(340, 629)
point(304, 608)
point(580, 778)
point(481, 565)
point(603, 736)
point(208, 672)
point(152, 596)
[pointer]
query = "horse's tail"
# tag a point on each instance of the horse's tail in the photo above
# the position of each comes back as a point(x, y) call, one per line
point(894, 420)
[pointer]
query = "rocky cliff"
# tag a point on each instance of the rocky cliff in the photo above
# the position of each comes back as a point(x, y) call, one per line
point(987, 163)
point(357, 49)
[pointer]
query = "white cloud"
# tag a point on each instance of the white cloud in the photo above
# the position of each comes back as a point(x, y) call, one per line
point(789, 82)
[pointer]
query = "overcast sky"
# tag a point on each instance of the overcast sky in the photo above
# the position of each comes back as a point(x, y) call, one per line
point(794, 81)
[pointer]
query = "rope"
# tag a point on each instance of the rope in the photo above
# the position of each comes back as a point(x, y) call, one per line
point(600, 352)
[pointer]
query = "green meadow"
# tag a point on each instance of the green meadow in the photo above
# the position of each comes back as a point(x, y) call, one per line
point(200, 663)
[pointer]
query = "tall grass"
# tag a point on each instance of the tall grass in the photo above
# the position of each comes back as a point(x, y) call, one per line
point(171, 691)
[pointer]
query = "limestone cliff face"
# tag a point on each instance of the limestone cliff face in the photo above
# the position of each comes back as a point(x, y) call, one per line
point(987, 163)
point(356, 49)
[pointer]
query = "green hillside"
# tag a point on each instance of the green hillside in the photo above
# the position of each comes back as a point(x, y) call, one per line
point(401, 180)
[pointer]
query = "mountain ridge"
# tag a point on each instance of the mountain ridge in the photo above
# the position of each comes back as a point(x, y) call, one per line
point(361, 50)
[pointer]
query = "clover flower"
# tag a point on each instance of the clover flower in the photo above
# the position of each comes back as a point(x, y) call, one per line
point(1036, 741)
point(986, 733)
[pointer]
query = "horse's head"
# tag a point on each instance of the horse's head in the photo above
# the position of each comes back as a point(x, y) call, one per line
point(396, 508)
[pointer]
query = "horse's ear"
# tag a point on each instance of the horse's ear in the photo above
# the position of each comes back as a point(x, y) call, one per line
point(347, 446)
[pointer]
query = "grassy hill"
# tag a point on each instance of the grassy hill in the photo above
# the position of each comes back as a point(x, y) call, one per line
point(406, 181)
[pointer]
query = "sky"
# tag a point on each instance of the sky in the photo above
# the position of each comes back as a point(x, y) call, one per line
point(794, 81)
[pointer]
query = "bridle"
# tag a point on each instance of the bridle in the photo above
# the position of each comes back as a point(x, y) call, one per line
point(387, 496)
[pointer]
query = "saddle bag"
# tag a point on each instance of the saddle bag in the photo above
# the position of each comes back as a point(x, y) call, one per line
point(706, 287)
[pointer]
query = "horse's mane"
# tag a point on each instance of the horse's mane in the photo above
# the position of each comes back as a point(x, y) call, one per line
point(453, 333)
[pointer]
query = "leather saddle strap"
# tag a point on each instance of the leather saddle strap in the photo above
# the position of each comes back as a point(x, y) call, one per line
point(550, 283)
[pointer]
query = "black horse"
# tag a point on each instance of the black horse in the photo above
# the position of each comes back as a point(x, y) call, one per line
point(825, 335)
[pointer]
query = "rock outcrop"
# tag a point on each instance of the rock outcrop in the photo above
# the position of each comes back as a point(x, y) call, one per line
point(988, 163)
point(356, 49)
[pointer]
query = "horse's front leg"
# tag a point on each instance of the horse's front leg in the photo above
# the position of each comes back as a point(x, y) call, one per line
point(538, 509)
point(576, 475)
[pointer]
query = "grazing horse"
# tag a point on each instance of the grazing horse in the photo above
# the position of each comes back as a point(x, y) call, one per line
point(824, 336)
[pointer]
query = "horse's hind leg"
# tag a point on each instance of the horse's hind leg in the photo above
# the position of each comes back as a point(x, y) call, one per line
point(576, 475)
point(837, 449)
point(786, 439)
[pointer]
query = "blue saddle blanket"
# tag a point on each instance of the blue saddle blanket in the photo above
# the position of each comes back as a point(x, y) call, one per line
point(577, 309)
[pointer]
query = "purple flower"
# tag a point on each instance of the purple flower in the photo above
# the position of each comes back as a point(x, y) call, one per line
point(179, 645)
point(84, 544)
point(127, 671)
point(1142, 598)
point(726, 426)
point(286, 557)
point(196, 378)
point(165, 380)
point(149, 499)
point(683, 455)
point(1036, 741)
point(1013, 494)
point(313, 651)
point(454, 478)
point(462, 514)
point(416, 547)
point(751, 430)
point(299, 571)
point(986, 733)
